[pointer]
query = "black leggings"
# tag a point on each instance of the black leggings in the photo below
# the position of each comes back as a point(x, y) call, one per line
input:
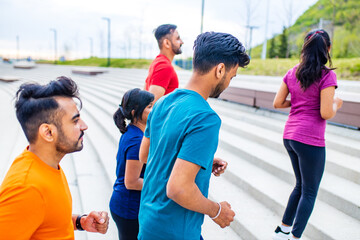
point(308, 163)
point(128, 228)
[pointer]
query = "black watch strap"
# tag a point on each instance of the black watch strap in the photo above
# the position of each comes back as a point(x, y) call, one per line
point(78, 224)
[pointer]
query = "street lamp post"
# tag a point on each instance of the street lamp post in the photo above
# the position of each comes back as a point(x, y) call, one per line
point(91, 47)
point(55, 44)
point(202, 16)
point(251, 29)
point(263, 53)
point(108, 20)
point(17, 47)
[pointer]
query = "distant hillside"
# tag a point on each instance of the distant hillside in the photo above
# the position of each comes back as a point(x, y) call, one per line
point(347, 28)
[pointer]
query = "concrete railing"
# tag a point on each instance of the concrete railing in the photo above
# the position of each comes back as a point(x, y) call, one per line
point(349, 114)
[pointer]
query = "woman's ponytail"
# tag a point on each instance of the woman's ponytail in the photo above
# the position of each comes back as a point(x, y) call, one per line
point(131, 108)
point(119, 119)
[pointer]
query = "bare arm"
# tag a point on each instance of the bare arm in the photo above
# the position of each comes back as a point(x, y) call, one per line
point(182, 189)
point(280, 98)
point(132, 175)
point(144, 149)
point(329, 105)
point(158, 91)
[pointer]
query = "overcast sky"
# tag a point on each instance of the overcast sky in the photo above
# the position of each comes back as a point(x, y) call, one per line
point(79, 22)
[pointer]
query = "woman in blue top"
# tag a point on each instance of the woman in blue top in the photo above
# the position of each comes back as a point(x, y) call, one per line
point(135, 107)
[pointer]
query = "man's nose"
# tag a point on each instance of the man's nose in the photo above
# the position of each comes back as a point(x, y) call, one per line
point(84, 126)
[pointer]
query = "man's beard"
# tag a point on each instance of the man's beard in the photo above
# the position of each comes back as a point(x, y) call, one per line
point(177, 51)
point(64, 145)
point(218, 89)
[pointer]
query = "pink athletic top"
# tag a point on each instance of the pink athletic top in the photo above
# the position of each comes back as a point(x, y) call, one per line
point(305, 124)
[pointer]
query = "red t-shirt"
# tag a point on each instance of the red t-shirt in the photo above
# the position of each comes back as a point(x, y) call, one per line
point(162, 73)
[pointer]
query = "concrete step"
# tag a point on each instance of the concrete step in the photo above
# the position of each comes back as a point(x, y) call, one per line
point(273, 193)
point(104, 145)
point(250, 213)
point(338, 192)
point(339, 163)
point(94, 186)
point(339, 138)
point(9, 129)
point(102, 94)
point(67, 164)
point(211, 231)
point(351, 208)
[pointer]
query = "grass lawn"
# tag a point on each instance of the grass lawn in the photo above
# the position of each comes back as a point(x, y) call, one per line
point(346, 68)
point(102, 62)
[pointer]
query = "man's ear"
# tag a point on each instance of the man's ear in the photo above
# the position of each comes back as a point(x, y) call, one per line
point(166, 43)
point(220, 71)
point(47, 132)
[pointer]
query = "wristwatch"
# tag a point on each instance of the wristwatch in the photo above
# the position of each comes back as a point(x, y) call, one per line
point(78, 224)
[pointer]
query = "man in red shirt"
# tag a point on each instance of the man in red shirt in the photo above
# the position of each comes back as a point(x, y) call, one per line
point(162, 78)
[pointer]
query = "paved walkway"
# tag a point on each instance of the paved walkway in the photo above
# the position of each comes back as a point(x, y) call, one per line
point(257, 182)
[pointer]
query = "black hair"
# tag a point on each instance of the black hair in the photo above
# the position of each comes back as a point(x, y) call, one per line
point(212, 48)
point(314, 56)
point(35, 104)
point(134, 99)
point(162, 31)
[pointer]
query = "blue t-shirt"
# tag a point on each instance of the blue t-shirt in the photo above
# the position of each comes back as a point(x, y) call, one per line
point(181, 125)
point(125, 203)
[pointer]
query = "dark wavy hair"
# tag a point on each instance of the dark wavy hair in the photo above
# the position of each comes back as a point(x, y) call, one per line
point(134, 99)
point(35, 104)
point(314, 56)
point(212, 48)
point(162, 31)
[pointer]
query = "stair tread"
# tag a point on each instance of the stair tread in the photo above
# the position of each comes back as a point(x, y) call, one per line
point(279, 191)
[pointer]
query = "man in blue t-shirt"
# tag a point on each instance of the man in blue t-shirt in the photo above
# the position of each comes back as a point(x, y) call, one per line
point(179, 144)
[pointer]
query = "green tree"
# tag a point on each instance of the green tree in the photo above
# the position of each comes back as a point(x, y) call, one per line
point(272, 50)
point(283, 47)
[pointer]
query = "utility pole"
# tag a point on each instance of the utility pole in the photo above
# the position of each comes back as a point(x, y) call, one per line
point(91, 47)
point(202, 15)
point(17, 47)
point(321, 23)
point(263, 53)
point(140, 40)
point(55, 45)
point(251, 29)
point(108, 20)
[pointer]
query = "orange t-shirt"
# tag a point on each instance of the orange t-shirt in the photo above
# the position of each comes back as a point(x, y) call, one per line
point(35, 201)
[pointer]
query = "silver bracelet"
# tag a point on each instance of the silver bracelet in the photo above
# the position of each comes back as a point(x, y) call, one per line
point(218, 212)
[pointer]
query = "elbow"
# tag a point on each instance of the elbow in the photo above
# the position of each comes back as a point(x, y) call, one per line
point(173, 191)
point(326, 115)
point(275, 105)
point(129, 185)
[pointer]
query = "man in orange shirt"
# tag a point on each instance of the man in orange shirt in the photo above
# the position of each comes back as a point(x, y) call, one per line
point(35, 200)
point(162, 78)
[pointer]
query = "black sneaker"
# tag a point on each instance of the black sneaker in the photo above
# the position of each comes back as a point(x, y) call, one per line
point(280, 235)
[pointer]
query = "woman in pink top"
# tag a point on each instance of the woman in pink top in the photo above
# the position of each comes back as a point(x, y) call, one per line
point(312, 88)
